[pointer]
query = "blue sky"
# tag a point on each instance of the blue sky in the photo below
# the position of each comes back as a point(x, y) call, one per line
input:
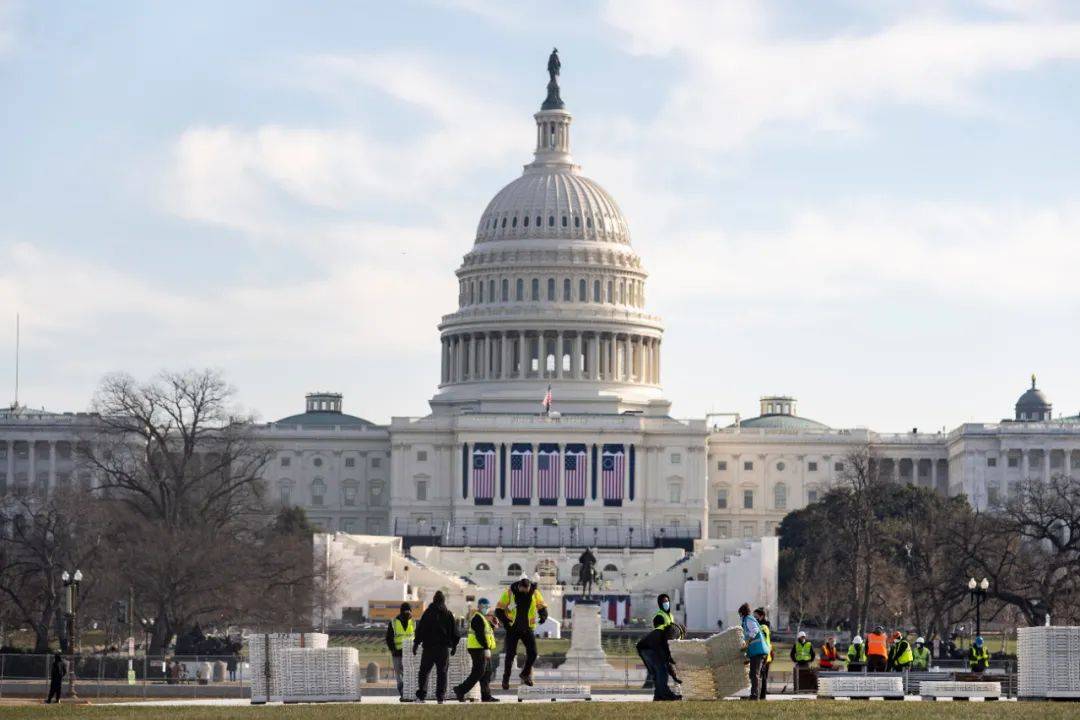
point(872, 206)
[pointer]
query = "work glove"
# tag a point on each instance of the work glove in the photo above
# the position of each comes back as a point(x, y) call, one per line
point(487, 654)
point(542, 615)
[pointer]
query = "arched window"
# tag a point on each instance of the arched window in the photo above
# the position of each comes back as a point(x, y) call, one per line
point(525, 220)
point(285, 491)
point(551, 289)
point(610, 568)
point(480, 291)
point(536, 288)
point(520, 294)
point(318, 492)
point(513, 223)
point(780, 496)
point(481, 567)
point(567, 293)
point(564, 221)
point(348, 493)
point(491, 291)
point(596, 291)
point(551, 221)
point(504, 222)
point(588, 222)
point(514, 570)
point(577, 221)
point(583, 290)
point(472, 292)
point(610, 291)
point(505, 290)
point(538, 222)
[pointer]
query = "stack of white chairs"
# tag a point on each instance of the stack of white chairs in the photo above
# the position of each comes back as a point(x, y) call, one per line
point(321, 674)
point(1048, 660)
point(857, 685)
point(268, 673)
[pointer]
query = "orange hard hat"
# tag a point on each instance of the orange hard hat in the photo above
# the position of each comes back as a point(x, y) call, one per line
point(896, 635)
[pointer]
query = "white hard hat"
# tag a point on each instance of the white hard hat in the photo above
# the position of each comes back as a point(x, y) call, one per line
point(920, 640)
point(524, 578)
point(802, 633)
point(857, 640)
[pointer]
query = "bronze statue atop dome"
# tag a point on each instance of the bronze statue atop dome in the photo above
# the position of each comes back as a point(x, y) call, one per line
point(553, 101)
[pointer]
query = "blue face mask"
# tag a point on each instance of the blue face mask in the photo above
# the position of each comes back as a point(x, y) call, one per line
point(665, 605)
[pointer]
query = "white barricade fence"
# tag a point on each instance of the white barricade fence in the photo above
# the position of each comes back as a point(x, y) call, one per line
point(267, 661)
point(860, 686)
point(1048, 662)
point(551, 691)
point(321, 674)
point(957, 689)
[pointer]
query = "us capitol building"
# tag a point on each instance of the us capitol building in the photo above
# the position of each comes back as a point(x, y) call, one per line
point(553, 297)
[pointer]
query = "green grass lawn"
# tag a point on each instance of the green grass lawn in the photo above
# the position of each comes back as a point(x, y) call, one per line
point(732, 710)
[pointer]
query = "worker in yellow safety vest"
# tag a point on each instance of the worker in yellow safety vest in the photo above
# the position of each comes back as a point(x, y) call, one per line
point(921, 655)
point(766, 629)
point(802, 652)
point(399, 633)
point(978, 656)
point(520, 608)
point(480, 643)
point(856, 655)
point(900, 655)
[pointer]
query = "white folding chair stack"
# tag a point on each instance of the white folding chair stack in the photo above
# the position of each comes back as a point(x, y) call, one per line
point(1048, 660)
point(267, 663)
point(321, 675)
point(860, 686)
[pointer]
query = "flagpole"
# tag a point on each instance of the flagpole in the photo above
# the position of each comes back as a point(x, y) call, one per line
point(17, 324)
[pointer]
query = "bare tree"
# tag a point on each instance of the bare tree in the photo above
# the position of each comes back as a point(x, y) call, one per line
point(862, 483)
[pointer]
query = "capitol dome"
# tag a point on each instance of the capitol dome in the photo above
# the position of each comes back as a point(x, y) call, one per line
point(551, 294)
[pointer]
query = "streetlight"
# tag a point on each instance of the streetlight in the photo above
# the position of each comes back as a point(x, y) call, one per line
point(978, 595)
point(71, 583)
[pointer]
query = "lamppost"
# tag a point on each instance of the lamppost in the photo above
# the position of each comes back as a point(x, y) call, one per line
point(978, 594)
point(71, 584)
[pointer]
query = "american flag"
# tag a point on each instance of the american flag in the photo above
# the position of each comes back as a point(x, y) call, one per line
point(521, 473)
point(483, 472)
point(575, 473)
point(612, 466)
point(547, 474)
point(547, 400)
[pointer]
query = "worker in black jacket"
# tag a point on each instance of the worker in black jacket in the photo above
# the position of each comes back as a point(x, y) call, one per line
point(520, 609)
point(56, 678)
point(655, 653)
point(437, 632)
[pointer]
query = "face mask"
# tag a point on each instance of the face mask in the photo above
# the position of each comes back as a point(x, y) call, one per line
point(665, 605)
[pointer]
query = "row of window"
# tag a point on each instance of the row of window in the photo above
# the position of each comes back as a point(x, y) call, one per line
point(780, 497)
point(748, 465)
point(1058, 461)
point(350, 491)
point(511, 222)
point(376, 462)
point(623, 292)
point(747, 530)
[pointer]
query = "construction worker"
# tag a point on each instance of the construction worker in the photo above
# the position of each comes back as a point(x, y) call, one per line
point(828, 657)
point(900, 655)
point(766, 630)
point(921, 655)
point(655, 653)
point(480, 642)
point(437, 633)
point(802, 652)
point(877, 650)
point(856, 655)
point(519, 609)
point(978, 656)
point(757, 648)
point(662, 619)
point(399, 633)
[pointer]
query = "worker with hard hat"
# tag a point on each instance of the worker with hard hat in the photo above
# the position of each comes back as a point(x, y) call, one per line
point(828, 658)
point(920, 655)
point(877, 650)
point(978, 656)
point(802, 652)
point(856, 655)
point(900, 655)
point(480, 642)
point(399, 633)
point(519, 609)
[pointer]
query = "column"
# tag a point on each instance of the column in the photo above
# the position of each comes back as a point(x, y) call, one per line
point(521, 354)
point(10, 464)
point(613, 361)
point(503, 363)
point(488, 365)
point(52, 463)
point(540, 352)
point(559, 355)
point(459, 358)
point(658, 361)
point(933, 475)
point(575, 355)
point(32, 446)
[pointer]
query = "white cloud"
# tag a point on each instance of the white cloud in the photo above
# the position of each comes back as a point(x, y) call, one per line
point(7, 26)
point(741, 77)
point(1023, 258)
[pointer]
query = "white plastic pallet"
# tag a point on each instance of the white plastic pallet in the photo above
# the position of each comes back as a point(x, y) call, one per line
point(953, 689)
point(554, 692)
point(860, 686)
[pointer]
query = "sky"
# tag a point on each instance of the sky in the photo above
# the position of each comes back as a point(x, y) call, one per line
point(874, 207)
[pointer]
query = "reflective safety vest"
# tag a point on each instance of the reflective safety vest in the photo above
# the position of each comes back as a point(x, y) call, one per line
point(665, 616)
point(401, 633)
point(903, 654)
point(475, 643)
point(856, 654)
point(922, 658)
point(877, 645)
point(828, 656)
point(509, 606)
point(767, 632)
point(803, 651)
point(978, 658)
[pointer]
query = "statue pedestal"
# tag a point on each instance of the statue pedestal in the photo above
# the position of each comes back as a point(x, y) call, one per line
point(585, 647)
